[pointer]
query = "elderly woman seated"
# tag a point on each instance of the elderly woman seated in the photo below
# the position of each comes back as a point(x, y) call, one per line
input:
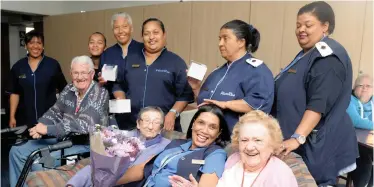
point(81, 105)
point(149, 125)
point(360, 110)
point(361, 106)
point(256, 136)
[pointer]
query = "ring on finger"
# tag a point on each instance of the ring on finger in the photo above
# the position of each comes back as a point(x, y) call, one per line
point(282, 146)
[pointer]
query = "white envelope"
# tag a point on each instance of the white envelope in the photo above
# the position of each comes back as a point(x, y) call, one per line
point(120, 106)
point(109, 72)
point(197, 70)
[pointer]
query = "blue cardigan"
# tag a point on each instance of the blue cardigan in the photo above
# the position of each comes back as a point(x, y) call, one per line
point(354, 111)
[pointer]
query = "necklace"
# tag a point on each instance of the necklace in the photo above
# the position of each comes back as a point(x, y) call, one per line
point(242, 185)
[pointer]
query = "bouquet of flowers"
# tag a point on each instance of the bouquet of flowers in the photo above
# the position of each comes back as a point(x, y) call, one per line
point(112, 152)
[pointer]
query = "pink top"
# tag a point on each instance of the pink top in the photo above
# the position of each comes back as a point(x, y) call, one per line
point(276, 173)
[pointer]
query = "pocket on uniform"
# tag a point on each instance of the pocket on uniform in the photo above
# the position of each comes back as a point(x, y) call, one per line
point(317, 137)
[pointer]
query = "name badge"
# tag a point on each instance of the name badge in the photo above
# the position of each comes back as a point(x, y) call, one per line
point(195, 161)
point(291, 71)
point(23, 76)
point(135, 65)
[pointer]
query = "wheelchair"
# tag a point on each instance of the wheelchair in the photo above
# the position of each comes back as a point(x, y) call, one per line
point(19, 136)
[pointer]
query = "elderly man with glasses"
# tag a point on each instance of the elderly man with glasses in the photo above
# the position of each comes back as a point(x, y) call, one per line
point(81, 105)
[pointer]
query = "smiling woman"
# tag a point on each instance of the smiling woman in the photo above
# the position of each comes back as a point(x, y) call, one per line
point(157, 77)
point(33, 84)
point(201, 155)
point(257, 136)
point(96, 46)
point(314, 120)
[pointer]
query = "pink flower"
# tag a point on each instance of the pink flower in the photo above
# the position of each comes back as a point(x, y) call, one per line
point(119, 143)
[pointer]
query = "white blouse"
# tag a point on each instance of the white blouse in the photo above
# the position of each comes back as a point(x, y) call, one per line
point(233, 177)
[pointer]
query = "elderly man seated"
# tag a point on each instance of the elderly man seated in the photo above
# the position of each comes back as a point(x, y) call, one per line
point(81, 105)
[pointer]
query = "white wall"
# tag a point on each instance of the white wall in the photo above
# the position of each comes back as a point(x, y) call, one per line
point(16, 52)
point(67, 7)
point(36, 7)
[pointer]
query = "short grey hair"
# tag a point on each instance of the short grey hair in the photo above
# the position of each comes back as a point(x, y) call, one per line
point(360, 77)
point(153, 109)
point(82, 60)
point(123, 15)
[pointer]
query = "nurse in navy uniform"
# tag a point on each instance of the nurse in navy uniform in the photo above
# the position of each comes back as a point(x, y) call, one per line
point(122, 27)
point(156, 77)
point(116, 55)
point(34, 82)
point(242, 84)
point(311, 97)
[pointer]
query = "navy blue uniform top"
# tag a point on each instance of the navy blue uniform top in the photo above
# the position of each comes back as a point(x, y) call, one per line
point(214, 163)
point(37, 90)
point(323, 85)
point(160, 84)
point(114, 56)
point(240, 80)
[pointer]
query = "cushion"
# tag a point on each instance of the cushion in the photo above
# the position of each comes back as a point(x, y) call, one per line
point(61, 175)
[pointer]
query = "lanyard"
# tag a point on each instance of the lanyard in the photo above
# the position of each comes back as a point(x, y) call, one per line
point(298, 57)
point(168, 158)
point(362, 109)
point(79, 101)
point(256, 176)
point(294, 61)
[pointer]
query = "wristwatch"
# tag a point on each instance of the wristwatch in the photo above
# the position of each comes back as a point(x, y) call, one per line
point(300, 138)
point(175, 111)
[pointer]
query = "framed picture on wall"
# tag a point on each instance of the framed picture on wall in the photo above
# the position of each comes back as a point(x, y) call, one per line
point(22, 42)
point(22, 34)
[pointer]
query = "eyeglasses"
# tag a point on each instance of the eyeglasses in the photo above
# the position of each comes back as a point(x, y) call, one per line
point(83, 74)
point(367, 86)
point(148, 121)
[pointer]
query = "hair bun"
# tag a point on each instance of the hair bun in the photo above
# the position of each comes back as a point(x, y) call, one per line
point(250, 27)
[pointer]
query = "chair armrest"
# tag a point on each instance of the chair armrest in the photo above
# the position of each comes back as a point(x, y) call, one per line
point(300, 170)
point(56, 178)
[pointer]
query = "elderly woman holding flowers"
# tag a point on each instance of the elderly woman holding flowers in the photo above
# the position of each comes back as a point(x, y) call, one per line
point(200, 155)
point(149, 125)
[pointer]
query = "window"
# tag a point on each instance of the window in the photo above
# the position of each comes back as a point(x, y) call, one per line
point(28, 29)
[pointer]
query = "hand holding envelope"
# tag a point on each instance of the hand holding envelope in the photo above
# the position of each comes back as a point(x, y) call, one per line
point(120, 106)
point(196, 74)
point(109, 72)
point(197, 71)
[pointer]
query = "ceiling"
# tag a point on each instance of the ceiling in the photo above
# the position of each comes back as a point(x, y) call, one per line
point(66, 7)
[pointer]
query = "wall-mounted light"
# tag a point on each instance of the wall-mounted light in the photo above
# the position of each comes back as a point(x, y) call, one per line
point(82, 11)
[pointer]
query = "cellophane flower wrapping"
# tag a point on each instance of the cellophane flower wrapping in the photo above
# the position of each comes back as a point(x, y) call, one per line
point(112, 152)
